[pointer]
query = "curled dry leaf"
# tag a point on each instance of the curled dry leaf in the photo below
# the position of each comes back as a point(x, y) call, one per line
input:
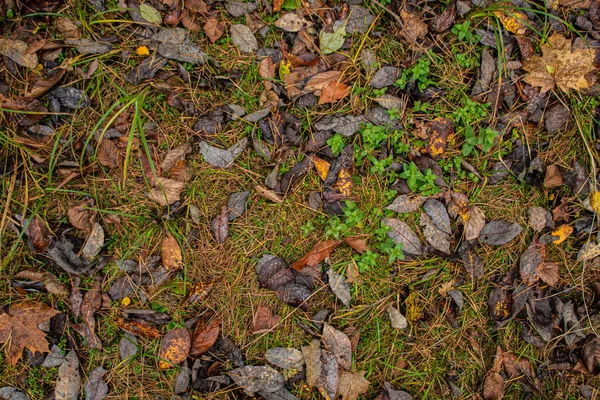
point(205, 334)
point(220, 226)
point(174, 348)
point(530, 263)
point(318, 253)
point(553, 176)
point(83, 216)
point(138, 328)
point(170, 252)
point(167, 191)
point(51, 282)
point(591, 354)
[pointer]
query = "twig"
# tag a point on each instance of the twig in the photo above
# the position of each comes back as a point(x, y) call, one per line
point(393, 14)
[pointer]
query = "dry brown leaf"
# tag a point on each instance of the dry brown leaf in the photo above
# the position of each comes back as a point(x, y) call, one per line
point(351, 386)
point(108, 154)
point(170, 252)
point(264, 320)
point(19, 329)
point(42, 85)
point(51, 282)
point(38, 233)
point(318, 253)
point(214, 28)
point(268, 194)
point(333, 92)
point(138, 328)
point(322, 80)
point(414, 28)
point(190, 20)
point(167, 192)
point(277, 5)
point(16, 50)
point(174, 348)
point(82, 216)
point(24, 104)
point(560, 66)
point(68, 28)
point(357, 243)
point(205, 334)
point(266, 70)
point(553, 177)
point(198, 292)
point(353, 273)
point(493, 386)
point(583, 4)
point(220, 226)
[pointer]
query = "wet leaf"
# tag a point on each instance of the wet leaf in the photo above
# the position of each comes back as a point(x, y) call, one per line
point(220, 226)
point(95, 388)
point(238, 8)
point(68, 383)
point(560, 66)
point(88, 46)
point(128, 348)
point(393, 394)
point(359, 20)
point(92, 301)
point(472, 263)
point(493, 386)
point(205, 334)
point(83, 216)
point(318, 253)
point(170, 252)
point(38, 233)
point(562, 233)
point(414, 28)
point(539, 311)
point(54, 359)
point(391, 102)
point(499, 303)
point(397, 319)
point(222, 158)
point(333, 92)
point(591, 354)
point(441, 130)
point(406, 204)
point(198, 292)
point(24, 104)
point(286, 358)
point(329, 376)
point(439, 215)
point(497, 233)
point(291, 22)
point(438, 239)
point(312, 358)
point(10, 393)
point(61, 251)
point(264, 320)
point(254, 379)
point(243, 38)
point(384, 77)
point(16, 50)
point(174, 348)
point(402, 233)
point(236, 204)
point(339, 286)
point(352, 385)
point(338, 343)
point(20, 327)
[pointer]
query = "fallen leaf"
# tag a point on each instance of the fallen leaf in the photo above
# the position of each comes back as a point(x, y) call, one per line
point(393, 394)
point(472, 263)
point(333, 92)
point(499, 303)
point(170, 252)
point(174, 348)
point(175, 156)
point(329, 376)
point(92, 301)
point(20, 326)
point(397, 319)
point(406, 203)
point(285, 357)
point(51, 282)
point(514, 21)
point(108, 154)
point(497, 233)
point(63, 254)
point(318, 253)
point(150, 14)
point(322, 167)
point(322, 80)
point(128, 348)
point(68, 382)
point(474, 223)
point(493, 386)
point(538, 218)
point(254, 379)
point(220, 226)
point(359, 20)
point(439, 215)
point(591, 354)
point(236, 204)
point(312, 358)
point(352, 385)
point(441, 130)
point(142, 51)
point(358, 244)
point(402, 233)
point(277, 5)
point(560, 66)
point(214, 29)
point(266, 70)
point(530, 263)
point(167, 191)
point(338, 343)
point(391, 102)
point(93, 243)
point(96, 388)
point(562, 233)
point(549, 273)
point(138, 328)
point(243, 38)
point(553, 177)
point(83, 216)
point(582, 4)
point(290, 22)
point(222, 158)
point(16, 50)
point(353, 273)
point(264, 320)
point(205, 334)
point(42, 85)
point(24, 104)
point(414, 28)
point(38, 233)
point(339, 286)
point(330, 42)
point(438, 239)
point(268, 194)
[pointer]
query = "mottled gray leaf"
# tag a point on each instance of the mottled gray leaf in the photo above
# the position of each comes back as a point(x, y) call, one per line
point(68, 383)
point(254, 379)
point(397, 319)
point(329, 376)
point(439, 215)
point(281, 394)
point(222, 158)
point(69, 98)
point(61, 251)
point(539, 312)
point(571, 326)
point(95, 388)
point(55, 358)
point(238, 8)
point(539, 218)
point(291, 22)
point(406, 204)
point(346, 125)
point(94, 242)
point(182, 52)
point(359, 20)
point(237, 204)
point(128, 348)
point(390, 102)
point(384, 77)
point(11, 393)
point(182, 381)
point(394, 394)
point(402, 233)
point(475, 223)
point(497, 233)
point(438, 239)
point(339, 286)
point(243, 38)
point(339, 344)
point(285, 357)
point(88, 46)
point(457, 297)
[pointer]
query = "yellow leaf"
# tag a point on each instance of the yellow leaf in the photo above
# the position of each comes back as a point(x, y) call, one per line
point(563, 232)
point(126, 301)
point(344, 183)
point(514, 21)
point(285, 67)
point(414, 311)
point(559, 66)
point(595, 202)
point(142, 51)
point(322, 167)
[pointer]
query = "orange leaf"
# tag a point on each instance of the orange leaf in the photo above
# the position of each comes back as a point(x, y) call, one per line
point(357, 243)
point(205, 334)
point(321, 251)
point(277, 5)
point(333, 92)
point(174, 348)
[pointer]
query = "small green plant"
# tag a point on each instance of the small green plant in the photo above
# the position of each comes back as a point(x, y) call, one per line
point(307, 228)
point(393, 250)
point(463, 32)
point(336, 143)
point(470, 113)
point(366, 260)
point(419, 73)
point(335, 228)
point(485, 140)
point(419, 182)
point(466, 60)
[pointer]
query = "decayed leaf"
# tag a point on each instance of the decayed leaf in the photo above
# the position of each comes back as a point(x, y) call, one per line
point(472, 263)
point(493, 386)
point(268, 194)
point(318, 253)
point(128, 348)
point(222, 158)
point(475, 221)
point(437, 238)
point(402, 233)
point(439, 215)
point(94, 242)
point(16, 50)
point(254, 379)
point(286, 358)
point(236, 204)
point(497, 233)
point(591, 354)
point(82, 216)
point(95, 388)
point(329, 376)
point(68, 383)
point(553, 177)
point(198, 292)
point(499, 303)
point(138, 328)
point(514, 21)
point(414, 28)
point(351, 386)
point(51, 282)
point(175, 156)
point(20, 326)
point(264, 320)
point(333, 92)
point(406, 204)
point(170, 252)
point(322, 167)
point(92, 301)
point(38, 233)
point(42, 85)
point(205, 334)
point(330, 42)
point(397, 319)
point(560, 66)
point(214, 28)
point(277, 5)
point(108, 154)
point(441, 130)
point(290, 22)
point(167, 191)
point(220, 226)
point(537, 218)
point(339, 286)
point(339, 344)
point(174, 348)
point(243, 38)
point(312, 358)
point(530, 263)
point(150, 14)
